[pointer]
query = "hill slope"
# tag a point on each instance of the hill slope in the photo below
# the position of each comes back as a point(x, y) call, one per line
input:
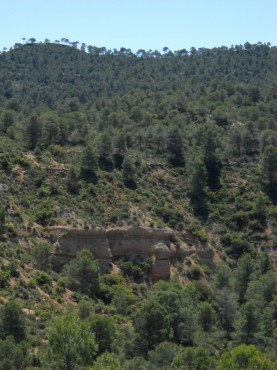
point(112, 139)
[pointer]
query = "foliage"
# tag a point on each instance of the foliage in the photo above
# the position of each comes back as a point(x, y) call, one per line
point(91, 138)
point(107, 361)
point(12, 321)
point(13, 355)
point(71, 343)
point(2, 219)
point(270, 164)
point(245, 357)
point(104, 331)
point(88, 164)
point(42, 256)
point(129, 172)
point(83, 273)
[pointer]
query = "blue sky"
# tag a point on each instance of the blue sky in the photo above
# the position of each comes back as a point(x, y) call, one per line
point(140, 24)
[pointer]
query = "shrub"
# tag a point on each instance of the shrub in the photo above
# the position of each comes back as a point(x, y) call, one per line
point(195, 272)
point(169, 215)
point(42, 256)
point(10, 229)
point(43, 214)
point(42, 278)
point(237, 247)
point(201, 235)
point(241, 218)
point(4, 277)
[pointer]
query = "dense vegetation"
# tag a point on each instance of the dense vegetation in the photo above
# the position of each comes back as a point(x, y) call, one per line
point(92, 137)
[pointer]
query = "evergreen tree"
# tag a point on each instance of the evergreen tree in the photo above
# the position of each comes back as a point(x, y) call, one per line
point(175, 147)
point(222, 278)
point(72, 180)
point(197, 358)
point(33, 131)
point(159, 138)
point(265, 329)
point(42, 256)
point(71, 343)
point(243, 274)
point(269, 164)
point(246, 326)
point(2, 218)
point(119, 149)
point(12, 321)
point(51, 131)
point(83, 273)
point(260, 208)
point(105, 145)
point(89, 164)
point(151, 324)
point(198, 187)
point(13, 355)
point(7, 119)
point(107, 361)
point(206, 315)
point(129, 172)
point(104, 331)
point(244, 357)
point(227, 307)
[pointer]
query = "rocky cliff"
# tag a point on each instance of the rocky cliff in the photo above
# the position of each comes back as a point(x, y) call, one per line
point(113, 244)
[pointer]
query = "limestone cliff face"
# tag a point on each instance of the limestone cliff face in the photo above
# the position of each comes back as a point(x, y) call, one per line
point(112, 244)
point(137, 241)
point(70, 241)
point(161, 265)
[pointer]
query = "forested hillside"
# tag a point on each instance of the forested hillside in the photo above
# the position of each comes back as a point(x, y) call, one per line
point(98, 138)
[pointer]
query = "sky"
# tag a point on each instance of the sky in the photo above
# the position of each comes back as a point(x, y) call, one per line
point(140, 24)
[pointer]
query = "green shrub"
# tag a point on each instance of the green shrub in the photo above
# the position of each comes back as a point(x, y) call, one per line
point(42, 278)
point(241, 218)
point(43, 191)
point(4, 277)
point(195, 272)
point(6, 162)
point(43, 214)
point(170, 216)
point(10, 229)
point(237, 247)
point(22, 161)
point(201, 235)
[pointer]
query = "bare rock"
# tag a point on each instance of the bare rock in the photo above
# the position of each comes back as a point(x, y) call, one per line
point(161, 252)
point(160, 270)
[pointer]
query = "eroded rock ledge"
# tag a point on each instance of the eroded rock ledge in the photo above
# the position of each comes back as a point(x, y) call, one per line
point(112, 244)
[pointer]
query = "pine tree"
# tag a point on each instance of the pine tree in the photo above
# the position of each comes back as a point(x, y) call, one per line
point(89, 164)
point(129, 172)
point(269, 164)
point(72, 180)
point(175, 147)
point(12, 321)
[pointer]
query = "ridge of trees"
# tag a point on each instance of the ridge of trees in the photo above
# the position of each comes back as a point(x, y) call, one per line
point(103, 139)
point(50, 72)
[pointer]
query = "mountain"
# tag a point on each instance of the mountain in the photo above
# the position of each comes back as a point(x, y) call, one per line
point(50, 73)
point(122, 149)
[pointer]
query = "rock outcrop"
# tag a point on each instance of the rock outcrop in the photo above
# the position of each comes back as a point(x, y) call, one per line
point(161, 265)
point(110, 245)
point(202, 251)
point(69, 241)
point(137, 241)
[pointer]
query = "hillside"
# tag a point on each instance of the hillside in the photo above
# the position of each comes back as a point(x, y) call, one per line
point(95, 139)
point(49, 74)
